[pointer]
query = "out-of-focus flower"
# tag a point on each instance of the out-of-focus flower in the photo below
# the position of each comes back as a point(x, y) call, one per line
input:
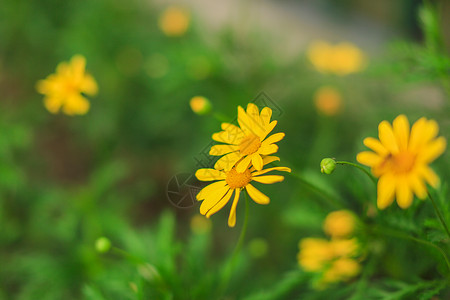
point(340, 59)
point(63, 90)
point(174, 21)
point(400, 159)
point(314, 254)
point(200, 224)
point(342, 269)
point(200, 105)
point(216, 195)
point(102, 244)
point(328, 101)
point(339, 224)
point(247, 144)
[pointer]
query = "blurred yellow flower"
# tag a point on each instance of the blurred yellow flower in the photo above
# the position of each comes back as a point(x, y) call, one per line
point(63, 90)
point(315, 254)
point(200, 105)
point(400, 159)
point(174, 21)
point(216, 195)
point(340, 59)
point(342, 269)
point(246, 144)
point(339, 224)
point(328, 100)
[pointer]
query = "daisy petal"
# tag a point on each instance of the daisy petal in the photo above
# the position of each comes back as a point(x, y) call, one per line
point(404, 193)
point(266, 114)
point(269, 159)
point(385, 191)
point(232, 216)
point(219, 150)
point(209, 189)
point(257, 162)
point(375, 146)
point(268, 179)
point(429, 176)
point(256, 195)
point(268, 129)
point(273, 138)
point(214, 199)
point(268, 149)
point(76, 105)
point(243, 164)
point(401, 131)
point(369, 158)
point(209, 174)
point(282, 169)
point(433, 150)
point(88, 85)
point(227, 161)
point(387, 137)
point(243, 121)
point(53, 104)
point(220, 204)
point(417, 186)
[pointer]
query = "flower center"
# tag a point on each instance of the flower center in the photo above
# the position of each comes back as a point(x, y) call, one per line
point(402, 162)
point(249, 145)
point(238, 180)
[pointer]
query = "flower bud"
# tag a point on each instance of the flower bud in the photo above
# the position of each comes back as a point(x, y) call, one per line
point(327, 165)
point(200, 105)
point(102, 244)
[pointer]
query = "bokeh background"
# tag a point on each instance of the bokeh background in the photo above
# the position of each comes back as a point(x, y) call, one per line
point(65, 180)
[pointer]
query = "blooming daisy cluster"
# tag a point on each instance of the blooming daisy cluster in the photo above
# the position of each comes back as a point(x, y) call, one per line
point(245, 150)
point(332, 260)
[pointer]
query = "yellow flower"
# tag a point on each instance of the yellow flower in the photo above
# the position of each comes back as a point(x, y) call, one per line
point(200, 105)
point(315, 254)
point(341, 59)
point(339, 224)
point(174, 21)
point(246, 144)
point(63, 89)
point(342, 269)
point(400, 159)
point(328, 101)
point(216, 195)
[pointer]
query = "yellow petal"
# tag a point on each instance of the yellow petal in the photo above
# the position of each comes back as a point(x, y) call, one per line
point(53, 104)
point(244, 164)
point(268, 179)
point(232, 216)
point(404, 193)
point(418, 186)
point(89, 85)
point(257, 161)
point(219, 150)
point(422, 132)
point(387, 137)
point(228, 137)
point(243, 121)
point(369, 158)
point(429, 176)
point(385, 191)
point(268, 149)
point(227, 161)
point(209, 174)
point(220, 204)
point(273, 138)
point(76, 104)
point(282, 169)
point(208, 190)
point(375, 145)
point(433, 150)
point(401, 131)
point(269, 159)
point(256, 195)
point(78, 65)
point(268, 129)
point(266, 114)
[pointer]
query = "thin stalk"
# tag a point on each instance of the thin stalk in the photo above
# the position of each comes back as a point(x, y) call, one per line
point(438, 213)
point(402, 235)
point(233, 259)
point(374, 180)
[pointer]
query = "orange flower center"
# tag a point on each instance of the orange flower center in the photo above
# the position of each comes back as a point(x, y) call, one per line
point(238, 180)
point(249, 145)
point(402, 162)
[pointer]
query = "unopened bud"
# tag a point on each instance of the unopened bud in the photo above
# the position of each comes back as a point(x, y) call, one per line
point(102, 244)
point(200, 105)
point(327, 165)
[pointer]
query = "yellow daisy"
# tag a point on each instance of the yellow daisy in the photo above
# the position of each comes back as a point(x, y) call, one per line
point(246, 143)
point(400, 159)
point(64, 89)
point(216, 195)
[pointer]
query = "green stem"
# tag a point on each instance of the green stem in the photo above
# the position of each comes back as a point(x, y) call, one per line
point(438, 213)
point(374, 180)
point(233, 259)
point(402, 235)
point(329, 199)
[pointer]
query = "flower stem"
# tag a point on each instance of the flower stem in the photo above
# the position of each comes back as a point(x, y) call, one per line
point(402, 235)
point(374, 180)
point(331, 201)
point(438, 213)
point(233, 259)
